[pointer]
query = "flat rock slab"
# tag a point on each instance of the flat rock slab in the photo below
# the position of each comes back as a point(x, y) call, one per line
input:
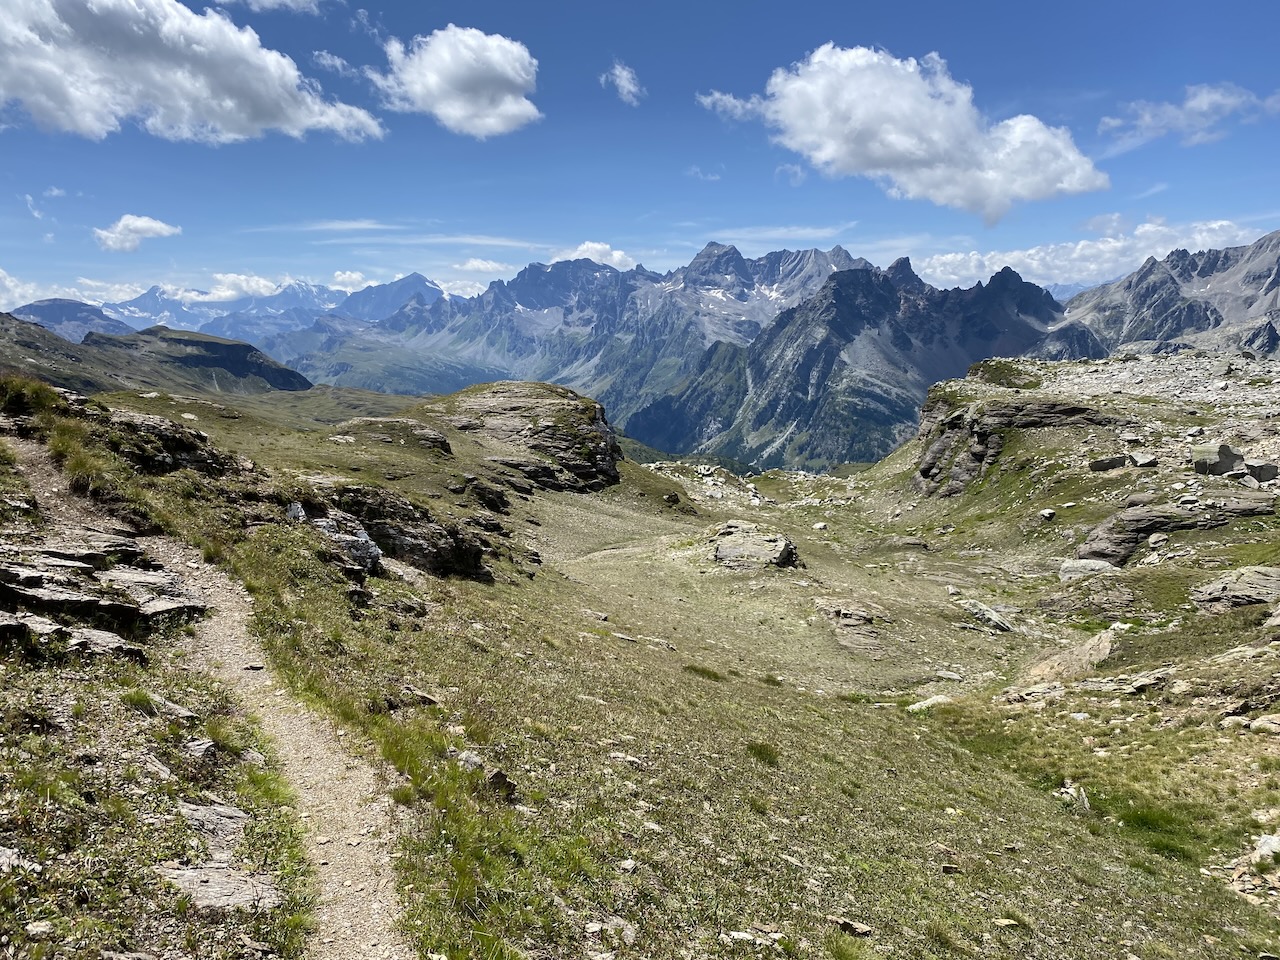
point(217, 887)
point(88, 642)
point(222, 824)
point(63, 601)
point(1240, 588)
point(1078, 569)
point(738, 543)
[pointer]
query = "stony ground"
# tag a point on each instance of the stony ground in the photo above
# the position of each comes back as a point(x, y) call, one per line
point(338, 792)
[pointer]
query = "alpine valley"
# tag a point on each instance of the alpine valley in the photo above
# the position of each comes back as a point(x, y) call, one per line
point(804, 359)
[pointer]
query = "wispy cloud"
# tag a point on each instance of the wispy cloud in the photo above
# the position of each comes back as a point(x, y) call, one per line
point(784, 233)
point(792, 172)
point(437, 239)
point(1201, 117)
point(333, 63)
point(1151, 191)
point(624, 80)
point(328, 226)
point(699, 174)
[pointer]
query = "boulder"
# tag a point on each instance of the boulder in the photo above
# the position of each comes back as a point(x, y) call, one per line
point(741, 544)
point(1144, 459)
point(984, 614)
point(1216, 460)
point(1103, 464)
point(1260, 471)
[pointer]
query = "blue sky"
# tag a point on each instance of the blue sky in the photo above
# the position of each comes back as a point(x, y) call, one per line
point(234, 147)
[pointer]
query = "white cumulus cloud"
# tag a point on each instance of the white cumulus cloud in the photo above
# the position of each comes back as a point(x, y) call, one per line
point(350, 280)
point(16, 293)
point(908, 125)
point(294, 6)
point(480, 265)
point(599, 252)
point(1199, 118)
point(1119, 250)
point(472, 82)
point(462, 288)
point(88, 68)
point(55, 192)
point(232, 286)
point(126, 233)
point(623, 80)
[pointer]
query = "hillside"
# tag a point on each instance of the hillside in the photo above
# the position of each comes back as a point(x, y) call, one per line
point(1007, 693)
point(154, 358)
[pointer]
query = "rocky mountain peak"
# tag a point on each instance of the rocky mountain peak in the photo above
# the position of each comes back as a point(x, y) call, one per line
point(903, 277)
point(719, 265)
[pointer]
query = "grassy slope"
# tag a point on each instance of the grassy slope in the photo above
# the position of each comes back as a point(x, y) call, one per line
point(725, 766)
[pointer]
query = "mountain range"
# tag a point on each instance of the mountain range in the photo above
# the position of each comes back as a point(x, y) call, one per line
point(799, 358)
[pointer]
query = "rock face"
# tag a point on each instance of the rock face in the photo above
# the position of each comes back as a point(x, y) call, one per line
point(961, 444)
point(1224, 299)
point(839, 377)
point(741, 544)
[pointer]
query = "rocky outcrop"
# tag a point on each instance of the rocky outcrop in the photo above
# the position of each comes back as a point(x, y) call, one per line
point(1240, 588)
point(545, 435)
point(1117, 538)
point(158, 445)
point(58, 600)
point(961, 444)
point(366, 523)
